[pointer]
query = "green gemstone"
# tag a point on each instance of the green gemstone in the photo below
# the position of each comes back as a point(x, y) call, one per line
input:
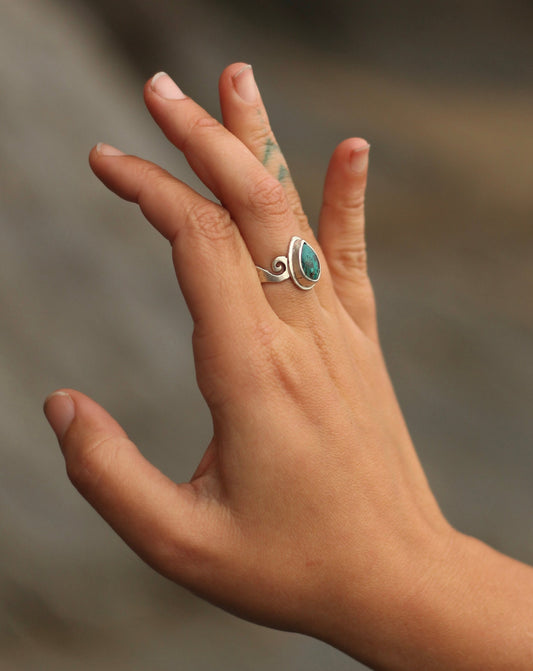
point(310, 263)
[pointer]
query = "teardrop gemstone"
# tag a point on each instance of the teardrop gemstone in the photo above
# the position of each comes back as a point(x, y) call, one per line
point(309, 263)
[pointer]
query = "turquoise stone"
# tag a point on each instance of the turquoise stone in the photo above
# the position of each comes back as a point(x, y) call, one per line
point(310, 263)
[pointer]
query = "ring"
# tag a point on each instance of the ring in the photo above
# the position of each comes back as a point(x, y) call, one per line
point(301, 265)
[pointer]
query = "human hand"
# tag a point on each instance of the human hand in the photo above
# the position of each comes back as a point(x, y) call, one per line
point(309, 510)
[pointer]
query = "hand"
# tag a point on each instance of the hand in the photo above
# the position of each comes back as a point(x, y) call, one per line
point(309, 510)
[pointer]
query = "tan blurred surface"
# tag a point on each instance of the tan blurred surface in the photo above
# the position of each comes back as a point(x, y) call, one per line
point(88, 296)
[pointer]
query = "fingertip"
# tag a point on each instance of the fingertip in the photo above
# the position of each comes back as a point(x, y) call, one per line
point(348, 147)
point(237, 84)
point(347, 168)
point(164, 87)
point(103, 149)
point(348, 165)
point(64, 406)
point(358, 159)
point(358, 144)
point(60, 410)
point(93, 156)
point(231, 70)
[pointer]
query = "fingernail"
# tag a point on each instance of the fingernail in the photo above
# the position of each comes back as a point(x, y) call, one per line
point(108, 150)
point(245, 85)
point(59, 409)
point(359, 159)
point(166, 87)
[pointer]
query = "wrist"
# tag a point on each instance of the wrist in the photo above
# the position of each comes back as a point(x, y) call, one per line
point(381, 616)
point(451, 603)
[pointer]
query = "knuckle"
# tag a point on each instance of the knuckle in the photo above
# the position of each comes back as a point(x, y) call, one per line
point(265, 333)
point(260, 136)
point(249, 367)
point(151, 180)
point(283, 365)
point(350, 260)
point(265, 349)
point(352, 204)
point(204, 121)
point(268, 198)
point(210, 220)
point(198, 126)
point(271, 358)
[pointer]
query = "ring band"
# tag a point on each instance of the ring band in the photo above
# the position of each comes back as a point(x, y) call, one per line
point(301, 265)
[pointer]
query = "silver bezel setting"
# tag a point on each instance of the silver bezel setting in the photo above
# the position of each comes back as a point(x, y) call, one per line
point(284, 267)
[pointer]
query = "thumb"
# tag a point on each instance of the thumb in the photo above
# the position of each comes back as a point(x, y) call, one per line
point(154, 515)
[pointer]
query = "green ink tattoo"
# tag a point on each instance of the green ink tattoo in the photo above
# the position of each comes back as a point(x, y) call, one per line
point(270, 148)
point(283, 173)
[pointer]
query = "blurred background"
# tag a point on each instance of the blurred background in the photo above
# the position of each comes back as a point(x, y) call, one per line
point(442, 91)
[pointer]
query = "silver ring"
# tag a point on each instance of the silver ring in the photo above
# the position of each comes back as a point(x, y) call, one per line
point(301, 265)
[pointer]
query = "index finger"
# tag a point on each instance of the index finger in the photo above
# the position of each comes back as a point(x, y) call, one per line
point(214, 268)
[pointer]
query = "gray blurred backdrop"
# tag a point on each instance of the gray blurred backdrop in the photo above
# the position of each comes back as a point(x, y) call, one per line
point(442, 91)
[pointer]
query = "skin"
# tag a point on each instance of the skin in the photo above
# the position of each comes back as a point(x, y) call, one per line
point(309, 510)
